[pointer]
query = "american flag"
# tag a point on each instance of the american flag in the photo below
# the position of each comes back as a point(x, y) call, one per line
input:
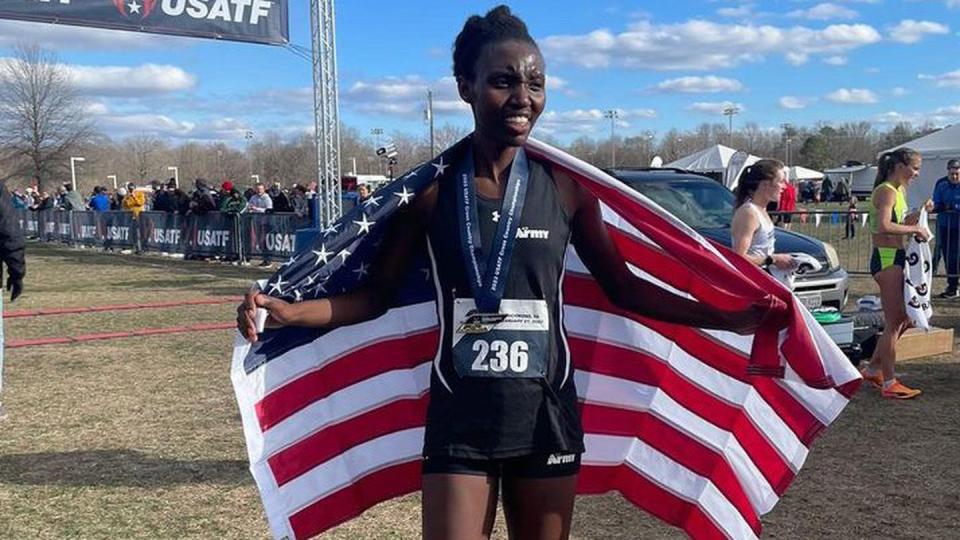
point(703, 429)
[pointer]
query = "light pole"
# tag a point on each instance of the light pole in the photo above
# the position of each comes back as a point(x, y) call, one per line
point(613, 115)
point(787, 156)
point(730, 112)
point(73, 170)
point(377, 132)
point(429, 113)
point(255, 177)
point(114, 178)
point(176, 175)
point(248, 135)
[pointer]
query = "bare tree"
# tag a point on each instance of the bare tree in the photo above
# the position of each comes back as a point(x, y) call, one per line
point(143, 151)
point(42, 118)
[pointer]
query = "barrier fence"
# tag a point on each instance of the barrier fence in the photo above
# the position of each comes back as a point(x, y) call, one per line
point(213, 234)
point(274, 235)
point(849, 233)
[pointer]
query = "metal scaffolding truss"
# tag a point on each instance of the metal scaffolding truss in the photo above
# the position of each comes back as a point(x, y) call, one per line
point(326, 108)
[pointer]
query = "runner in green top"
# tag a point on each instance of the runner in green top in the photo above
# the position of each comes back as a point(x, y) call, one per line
point(891, 226)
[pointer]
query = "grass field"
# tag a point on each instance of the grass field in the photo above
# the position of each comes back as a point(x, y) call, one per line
point(140, 437)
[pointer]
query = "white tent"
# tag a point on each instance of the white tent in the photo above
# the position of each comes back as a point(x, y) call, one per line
point(797, 172)
point(936, 148)
point(709, 160)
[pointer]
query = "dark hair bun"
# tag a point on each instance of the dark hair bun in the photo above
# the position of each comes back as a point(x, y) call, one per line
point(499, 24)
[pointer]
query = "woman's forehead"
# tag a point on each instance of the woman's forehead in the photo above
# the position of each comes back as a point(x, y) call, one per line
point(511, 55)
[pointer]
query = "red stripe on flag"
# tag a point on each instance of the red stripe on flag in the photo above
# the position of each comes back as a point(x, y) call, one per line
point(764, 358)
point(678, 446)
point(585, 292)
point(351, 368)
point(651, 497)
point(668, 269)
point(330, 441)
point(635, 366)
point(352, 500)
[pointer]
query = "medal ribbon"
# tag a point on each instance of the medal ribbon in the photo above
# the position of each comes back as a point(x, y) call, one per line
point(488, 288)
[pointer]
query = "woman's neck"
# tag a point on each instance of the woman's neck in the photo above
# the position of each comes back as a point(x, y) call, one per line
point(760, 200)
point(491, 160)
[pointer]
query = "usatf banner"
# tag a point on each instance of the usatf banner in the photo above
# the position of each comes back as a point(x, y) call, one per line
point(211, 234)
point(272, 235)
point(161, 231)
point(117, 230)
point(258, 21)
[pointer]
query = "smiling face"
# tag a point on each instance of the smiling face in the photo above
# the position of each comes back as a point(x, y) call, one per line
point(907, 172)
point(508, 92)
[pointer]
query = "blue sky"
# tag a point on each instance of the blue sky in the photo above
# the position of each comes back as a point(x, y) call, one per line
point(660, 64)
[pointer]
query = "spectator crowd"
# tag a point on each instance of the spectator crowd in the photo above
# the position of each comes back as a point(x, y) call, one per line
point(169, 197)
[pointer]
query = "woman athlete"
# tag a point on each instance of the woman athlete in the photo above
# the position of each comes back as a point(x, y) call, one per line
point(503, 406)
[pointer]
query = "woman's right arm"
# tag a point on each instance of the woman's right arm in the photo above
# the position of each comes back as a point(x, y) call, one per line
point(404, 233)
point(744, 224)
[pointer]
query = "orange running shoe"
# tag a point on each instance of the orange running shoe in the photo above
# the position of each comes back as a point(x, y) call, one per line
point(876, 379)
point(899, 391)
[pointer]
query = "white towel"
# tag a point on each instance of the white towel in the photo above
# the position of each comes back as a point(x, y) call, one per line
point(917, 278)
point(788, 276)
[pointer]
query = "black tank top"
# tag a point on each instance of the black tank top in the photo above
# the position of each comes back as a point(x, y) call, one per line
point(484, 417)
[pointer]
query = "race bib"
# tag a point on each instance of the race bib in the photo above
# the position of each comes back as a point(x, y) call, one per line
point(511, 343)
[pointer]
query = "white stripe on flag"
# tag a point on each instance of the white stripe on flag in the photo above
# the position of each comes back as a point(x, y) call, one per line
point(624, 394)
point(396, 323)
point(346, 403)
point(575, 264)
point(667, 473)
point(352, 465)
point(613, 329)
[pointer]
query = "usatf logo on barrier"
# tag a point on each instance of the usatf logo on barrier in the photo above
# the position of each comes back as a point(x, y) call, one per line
point(281, 242)
point(165, 236)
point(213, 238)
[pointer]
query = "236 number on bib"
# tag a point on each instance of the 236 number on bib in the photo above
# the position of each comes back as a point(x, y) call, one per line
point(499, 356)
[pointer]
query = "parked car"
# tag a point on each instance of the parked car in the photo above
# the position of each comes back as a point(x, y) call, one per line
point(707, 206)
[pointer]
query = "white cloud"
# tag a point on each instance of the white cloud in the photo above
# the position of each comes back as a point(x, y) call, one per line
point(741, 11)
point(129, 81)
point(701, 45)
point(699, 85)
point(557, 84)
point(911, 31)
point(824, 12)
point(944, 80)
point(715, 107)
point(404, 96)
point(899, 91)
point(797, 59)
point(156, 124)
point(937, 118)
point(953, 110)
point(853, 96)
point(793, 102)
point(838, 60)
point(78, 38)
point(588, 121)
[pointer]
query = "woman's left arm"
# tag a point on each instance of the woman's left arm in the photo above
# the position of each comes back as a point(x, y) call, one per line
point(624, 289)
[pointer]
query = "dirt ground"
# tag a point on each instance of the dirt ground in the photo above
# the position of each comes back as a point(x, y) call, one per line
point(140, 438)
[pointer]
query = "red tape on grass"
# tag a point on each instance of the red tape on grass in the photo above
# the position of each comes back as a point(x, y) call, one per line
point(14, 314)
point(18, 343)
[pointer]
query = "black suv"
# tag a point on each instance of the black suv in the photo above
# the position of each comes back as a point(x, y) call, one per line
point(707, 206)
